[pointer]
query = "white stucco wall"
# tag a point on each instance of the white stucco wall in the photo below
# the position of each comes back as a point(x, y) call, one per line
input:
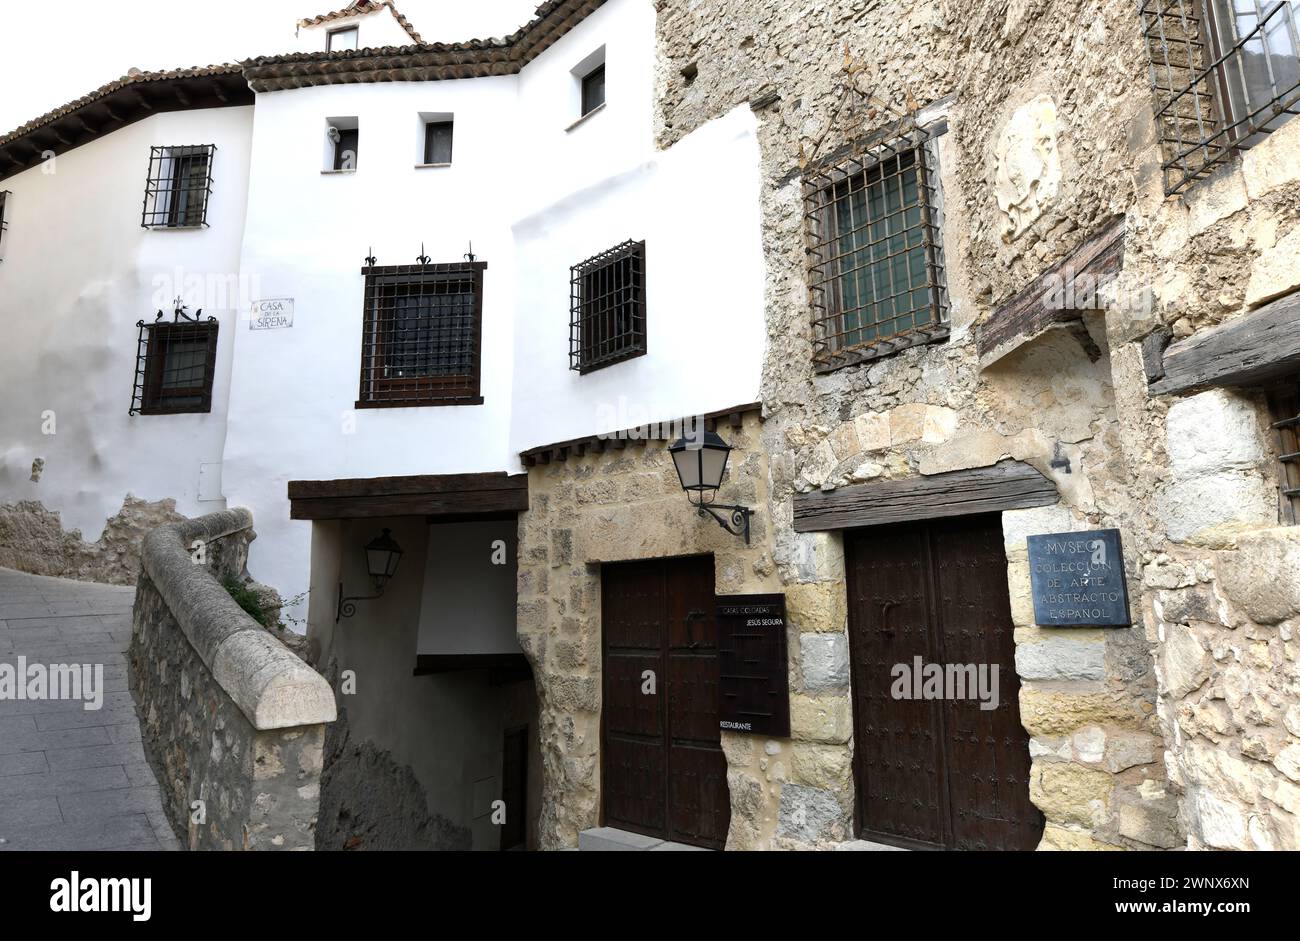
point(77, 275)
point(468, 603)
point(534, 194)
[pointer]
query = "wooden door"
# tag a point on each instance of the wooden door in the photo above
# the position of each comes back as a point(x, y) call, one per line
point(662, 768)
point(937, 772)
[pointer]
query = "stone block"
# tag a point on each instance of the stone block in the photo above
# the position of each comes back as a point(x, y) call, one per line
point(609, 839)
point(1210, 510)
point(1260, 575)
point(873, 431)
point(1061, 658)
point(826, 719)
point(829, 767)
point(1126, 749)
point(1071, 794)
point(1215, 199)
point(1056, 837)
point(825, 661)
point(1274, 161)
point(907, 423)
point(1213, 432)
point(1061, 712)
point(817, 606)
point(809, 815)
point(1184, 661)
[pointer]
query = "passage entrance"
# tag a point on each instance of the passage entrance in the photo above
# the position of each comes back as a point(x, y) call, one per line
point(936, 772)
point(662, 768)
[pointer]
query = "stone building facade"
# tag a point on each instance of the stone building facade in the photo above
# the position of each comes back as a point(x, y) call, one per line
point(1179, 730)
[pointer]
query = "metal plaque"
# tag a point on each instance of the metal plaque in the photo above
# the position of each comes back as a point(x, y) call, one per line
point(1078, 579)
point(754, 676)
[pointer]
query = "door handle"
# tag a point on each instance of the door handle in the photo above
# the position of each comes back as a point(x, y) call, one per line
point(884, 617)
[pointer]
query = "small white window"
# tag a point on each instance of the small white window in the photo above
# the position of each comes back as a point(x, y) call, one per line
point(346, 38)
point(434, 135)
point(342, 139)
point(589, 83)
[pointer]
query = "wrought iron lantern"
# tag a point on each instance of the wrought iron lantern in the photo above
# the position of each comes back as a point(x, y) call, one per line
point(382, 556)
point(701, 465)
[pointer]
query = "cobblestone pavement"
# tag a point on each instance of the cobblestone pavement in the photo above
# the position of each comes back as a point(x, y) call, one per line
point(72, 778)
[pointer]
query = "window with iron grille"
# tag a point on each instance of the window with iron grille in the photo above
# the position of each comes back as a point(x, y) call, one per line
point(1284, 403)
point(1226, 73)
point(4, 222)
point(423, 330)
point(607, 308)
point(874, 254)
point(179, 184)
point(175, 365)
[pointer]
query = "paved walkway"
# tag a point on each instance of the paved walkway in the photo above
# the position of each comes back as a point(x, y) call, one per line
point(71, 778)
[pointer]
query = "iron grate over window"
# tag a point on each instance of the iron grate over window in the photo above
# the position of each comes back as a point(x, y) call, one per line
point(1225, 73)
point(175, 365)
point(179, 184)
point(423, 329)
point(874, 253)
point(1285, 407)
point(607, 308)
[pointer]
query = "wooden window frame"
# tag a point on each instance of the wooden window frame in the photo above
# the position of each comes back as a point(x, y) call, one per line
point(403, 392)
point(1284, 415)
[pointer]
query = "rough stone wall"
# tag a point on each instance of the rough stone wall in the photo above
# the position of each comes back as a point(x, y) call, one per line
point(370, 802)
point(1052, 133)
point(258, 778)
point(32, 539)
point(619, 505)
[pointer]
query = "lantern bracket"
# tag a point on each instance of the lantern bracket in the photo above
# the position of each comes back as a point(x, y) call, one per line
point(738, 522)
point(348, 606)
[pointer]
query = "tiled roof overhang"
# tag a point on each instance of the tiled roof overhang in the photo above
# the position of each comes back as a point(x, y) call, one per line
point(427, 62)
point(117, 104)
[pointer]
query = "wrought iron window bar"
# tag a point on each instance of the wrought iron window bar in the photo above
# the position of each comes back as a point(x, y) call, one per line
point(1224, 72)
point(607, 307)
point(1285, 406)
point(175, 364)
point(875, 255)
point(422, 333)
point(178, 187)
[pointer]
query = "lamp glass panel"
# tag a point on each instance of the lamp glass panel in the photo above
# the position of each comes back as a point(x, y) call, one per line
point(688, 467)
point(714, 464)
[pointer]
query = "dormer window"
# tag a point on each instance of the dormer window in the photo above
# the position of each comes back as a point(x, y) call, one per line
point(348, 37)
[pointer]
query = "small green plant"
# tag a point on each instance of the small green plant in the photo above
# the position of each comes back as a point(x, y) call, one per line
point(247, 599)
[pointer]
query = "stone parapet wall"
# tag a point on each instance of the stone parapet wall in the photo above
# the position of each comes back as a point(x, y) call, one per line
point(232, 719)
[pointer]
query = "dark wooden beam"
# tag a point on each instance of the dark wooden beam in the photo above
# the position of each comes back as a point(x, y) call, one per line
point(444, 497)
point(1259, 348)
point(1010, 485)
point(1032, 310)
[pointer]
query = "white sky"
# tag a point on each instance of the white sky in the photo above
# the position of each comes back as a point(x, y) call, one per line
point(54, 51)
